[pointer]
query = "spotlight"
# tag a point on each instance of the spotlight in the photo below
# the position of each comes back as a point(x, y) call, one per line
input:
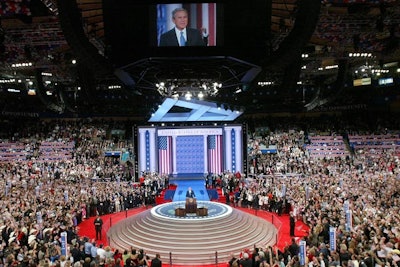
point(188, 96)
point(188, 88)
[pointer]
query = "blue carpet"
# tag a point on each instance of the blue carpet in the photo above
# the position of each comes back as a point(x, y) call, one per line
point(196, 182)
point(213, 194)
point(169, 194)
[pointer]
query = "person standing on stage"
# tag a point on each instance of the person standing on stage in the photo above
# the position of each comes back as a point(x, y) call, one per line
point(98, 226)
point(190, 193)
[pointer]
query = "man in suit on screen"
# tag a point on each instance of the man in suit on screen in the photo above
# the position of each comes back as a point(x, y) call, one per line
point(181, 35)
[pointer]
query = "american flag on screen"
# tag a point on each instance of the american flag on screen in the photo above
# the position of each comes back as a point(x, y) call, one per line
point(214, 149)
point(205, 16)
point(165, 154)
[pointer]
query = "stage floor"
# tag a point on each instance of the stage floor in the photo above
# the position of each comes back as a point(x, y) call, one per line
point(187, 176)
point(194, 180)
point(215, 210)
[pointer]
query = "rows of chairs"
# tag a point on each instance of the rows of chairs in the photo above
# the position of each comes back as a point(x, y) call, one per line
point(331, 146)
point(47, 151)
point(375, 144)
point(55, 151)
point(13, 151)
point(327, 146)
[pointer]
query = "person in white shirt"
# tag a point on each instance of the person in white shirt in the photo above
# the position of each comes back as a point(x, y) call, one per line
point(101, 252)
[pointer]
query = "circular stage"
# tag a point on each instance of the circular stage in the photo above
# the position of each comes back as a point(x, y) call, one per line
point(214, 210)
point(192, 239)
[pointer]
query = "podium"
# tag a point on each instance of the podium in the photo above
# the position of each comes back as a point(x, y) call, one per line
point(190, 205)
point(203, 211)
point(181, 212)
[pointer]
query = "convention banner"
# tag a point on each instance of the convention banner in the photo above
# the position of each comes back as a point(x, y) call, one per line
point(307, 192)
point(349, 220)
point(302, 253)
point(346, 206)
point(64, 243)
point(332, 238)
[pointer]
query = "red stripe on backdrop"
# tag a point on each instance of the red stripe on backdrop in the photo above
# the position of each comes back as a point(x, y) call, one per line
point(215, 154)
point(219, 144)
point(199, 16)
point(211, 24)
point(165, 154)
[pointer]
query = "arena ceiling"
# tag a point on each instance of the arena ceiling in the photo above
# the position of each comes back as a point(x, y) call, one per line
point(315, 52)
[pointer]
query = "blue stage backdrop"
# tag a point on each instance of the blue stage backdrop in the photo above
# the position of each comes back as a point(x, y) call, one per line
point(199, 150)
point(190, 154)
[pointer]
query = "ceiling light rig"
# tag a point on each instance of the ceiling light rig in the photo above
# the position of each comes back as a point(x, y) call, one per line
point(265, 83)
point(360, 55)
point(188, 88)
point(22, 65)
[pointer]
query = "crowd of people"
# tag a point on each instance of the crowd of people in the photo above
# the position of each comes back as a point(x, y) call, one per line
point(318, 192)
point(40, 201)
point(341, 27)
point(9, 7)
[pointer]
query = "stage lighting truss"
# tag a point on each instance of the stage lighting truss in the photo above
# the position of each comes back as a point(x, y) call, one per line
point(188, 89)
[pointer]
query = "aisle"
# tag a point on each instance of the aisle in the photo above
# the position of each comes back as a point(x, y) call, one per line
point(86, 228)
point(195, 181)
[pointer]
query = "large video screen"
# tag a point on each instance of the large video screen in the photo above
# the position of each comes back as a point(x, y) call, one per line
point(190, 150)
point(186, 24)
point(141, 29)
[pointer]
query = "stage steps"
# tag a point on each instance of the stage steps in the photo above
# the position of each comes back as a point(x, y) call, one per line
point(192, 241)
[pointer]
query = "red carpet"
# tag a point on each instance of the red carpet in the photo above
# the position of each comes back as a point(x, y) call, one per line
point(86, 228)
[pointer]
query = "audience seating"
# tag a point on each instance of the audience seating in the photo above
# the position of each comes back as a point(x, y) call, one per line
point(53, 151)
point(376, 144)
point(327, 147)
point(12, 151)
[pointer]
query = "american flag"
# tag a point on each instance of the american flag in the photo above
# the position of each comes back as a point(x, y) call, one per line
point(165, 154)
point(204, 15)
point(214, 145)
